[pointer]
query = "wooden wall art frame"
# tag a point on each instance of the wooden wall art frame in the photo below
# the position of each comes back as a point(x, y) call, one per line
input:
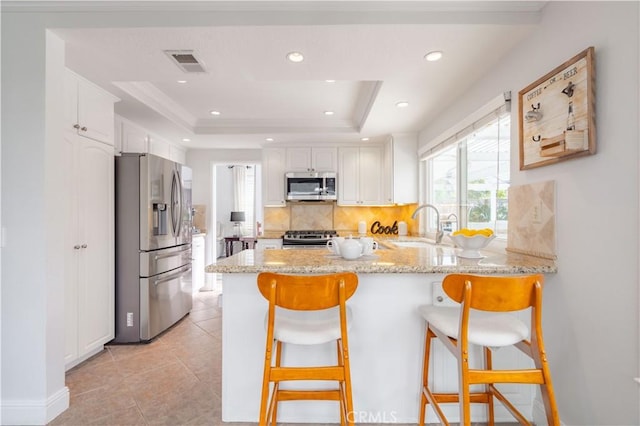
point(557, 114)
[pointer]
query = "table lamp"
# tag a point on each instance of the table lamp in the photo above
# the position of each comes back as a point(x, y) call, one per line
point(237, 218)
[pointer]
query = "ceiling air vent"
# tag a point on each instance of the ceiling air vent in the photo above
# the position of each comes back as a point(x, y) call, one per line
point(186, 60)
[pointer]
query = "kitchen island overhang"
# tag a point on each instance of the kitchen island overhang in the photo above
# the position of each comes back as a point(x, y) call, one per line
point(386, 339)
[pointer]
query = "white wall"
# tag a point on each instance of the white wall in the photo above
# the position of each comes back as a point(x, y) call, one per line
point(33, 390)
point(591, 304)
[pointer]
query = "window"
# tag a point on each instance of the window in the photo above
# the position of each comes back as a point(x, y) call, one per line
point(467, 176)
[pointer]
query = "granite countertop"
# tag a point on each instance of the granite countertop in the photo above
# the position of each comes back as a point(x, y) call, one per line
point(440, 259)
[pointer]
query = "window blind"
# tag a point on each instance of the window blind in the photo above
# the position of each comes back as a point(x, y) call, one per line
point(481, 118)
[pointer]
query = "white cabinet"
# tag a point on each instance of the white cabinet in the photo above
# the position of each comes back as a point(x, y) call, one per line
point(305, 159)
point(177, 154)
point(197, 264)
point(273, 166)
point(88, 109)
point(361, 176)
point(89, 247)
point(131, 137)
point(268, 244)
point(159, 147)
point(401, 169)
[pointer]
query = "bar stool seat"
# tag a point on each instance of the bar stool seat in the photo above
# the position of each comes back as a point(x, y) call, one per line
point(485, 328)
point(306, 310)
point(308, 327)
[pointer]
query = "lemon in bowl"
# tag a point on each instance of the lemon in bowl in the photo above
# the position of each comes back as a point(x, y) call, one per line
point(471, 241)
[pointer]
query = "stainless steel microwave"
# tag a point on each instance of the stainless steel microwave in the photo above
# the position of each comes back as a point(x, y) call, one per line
point(310, 186)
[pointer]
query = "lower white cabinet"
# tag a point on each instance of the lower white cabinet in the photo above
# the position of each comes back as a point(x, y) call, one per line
point(89, 247)
point(197, 264)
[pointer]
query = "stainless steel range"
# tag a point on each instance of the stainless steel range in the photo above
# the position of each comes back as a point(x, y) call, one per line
point(305, 239)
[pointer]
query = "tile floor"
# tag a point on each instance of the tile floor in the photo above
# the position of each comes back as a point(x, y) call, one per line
point(174, 380)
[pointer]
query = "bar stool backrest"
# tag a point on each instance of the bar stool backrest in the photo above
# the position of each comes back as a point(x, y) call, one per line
point(307, 292)
point(495, 293)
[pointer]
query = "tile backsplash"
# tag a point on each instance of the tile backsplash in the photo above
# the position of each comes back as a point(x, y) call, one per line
point(200, 216)
point(345, 220)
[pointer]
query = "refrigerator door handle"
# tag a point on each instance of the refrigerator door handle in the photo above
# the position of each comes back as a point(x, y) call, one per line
point(172, 254)
point(176, 203)
point(173, 276)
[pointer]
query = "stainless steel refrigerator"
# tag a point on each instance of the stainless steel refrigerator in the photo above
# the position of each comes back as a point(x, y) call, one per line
point(153, 246)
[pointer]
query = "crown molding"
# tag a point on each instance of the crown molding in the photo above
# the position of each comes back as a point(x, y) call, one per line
point(357, 6)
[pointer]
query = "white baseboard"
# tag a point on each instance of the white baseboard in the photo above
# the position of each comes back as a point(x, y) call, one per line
point(35, 412)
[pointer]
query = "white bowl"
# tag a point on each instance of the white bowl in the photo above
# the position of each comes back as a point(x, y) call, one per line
point(471, 245)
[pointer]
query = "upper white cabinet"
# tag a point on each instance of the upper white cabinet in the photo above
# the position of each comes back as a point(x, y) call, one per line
point(88, 109)
point(401, 169)
point(306, 159)
point(361, 175)
point(159, 147)
point(131, 137)
point(273, 168)
point(177, 154)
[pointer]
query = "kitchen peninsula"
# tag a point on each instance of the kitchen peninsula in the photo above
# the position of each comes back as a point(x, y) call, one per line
point(386, 337)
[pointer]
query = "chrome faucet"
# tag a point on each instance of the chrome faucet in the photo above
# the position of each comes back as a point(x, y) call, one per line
point(439, 232)
point(448, 220)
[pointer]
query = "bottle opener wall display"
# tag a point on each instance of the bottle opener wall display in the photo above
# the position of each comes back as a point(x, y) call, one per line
point(556, 114)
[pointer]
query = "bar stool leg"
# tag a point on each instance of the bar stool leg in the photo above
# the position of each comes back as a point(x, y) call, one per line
point(463, 380)
point(488, 365)
point(425, 376)
point(546, 389)
point(347, 382)
point(276, 385)
point(265, 385)
point(343, 406)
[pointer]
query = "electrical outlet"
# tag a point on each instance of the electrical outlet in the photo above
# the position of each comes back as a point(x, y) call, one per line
point(129, 319)
point(439, 297)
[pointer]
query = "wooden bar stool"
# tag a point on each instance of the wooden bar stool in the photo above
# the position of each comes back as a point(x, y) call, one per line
point(482, 320)
point(315, 312)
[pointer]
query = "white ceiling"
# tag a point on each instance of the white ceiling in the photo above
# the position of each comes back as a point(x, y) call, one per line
point(262, 95)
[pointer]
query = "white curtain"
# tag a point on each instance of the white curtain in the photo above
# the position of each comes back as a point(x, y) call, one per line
point(239, 188)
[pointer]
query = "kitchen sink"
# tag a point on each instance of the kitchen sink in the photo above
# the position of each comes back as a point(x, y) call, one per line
point(412, 244)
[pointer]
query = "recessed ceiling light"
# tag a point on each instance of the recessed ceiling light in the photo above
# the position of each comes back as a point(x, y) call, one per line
point(433, 56)
point(328, 113)
point(186, 140)
point(402, 104)
point(214, 112)
point(182, 81)
point(269, 139)
point(330, 81)
point(364, 139)
point(295, 57)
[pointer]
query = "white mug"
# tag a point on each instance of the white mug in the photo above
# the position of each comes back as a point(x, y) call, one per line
point(333, 245)
point(368, 245)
